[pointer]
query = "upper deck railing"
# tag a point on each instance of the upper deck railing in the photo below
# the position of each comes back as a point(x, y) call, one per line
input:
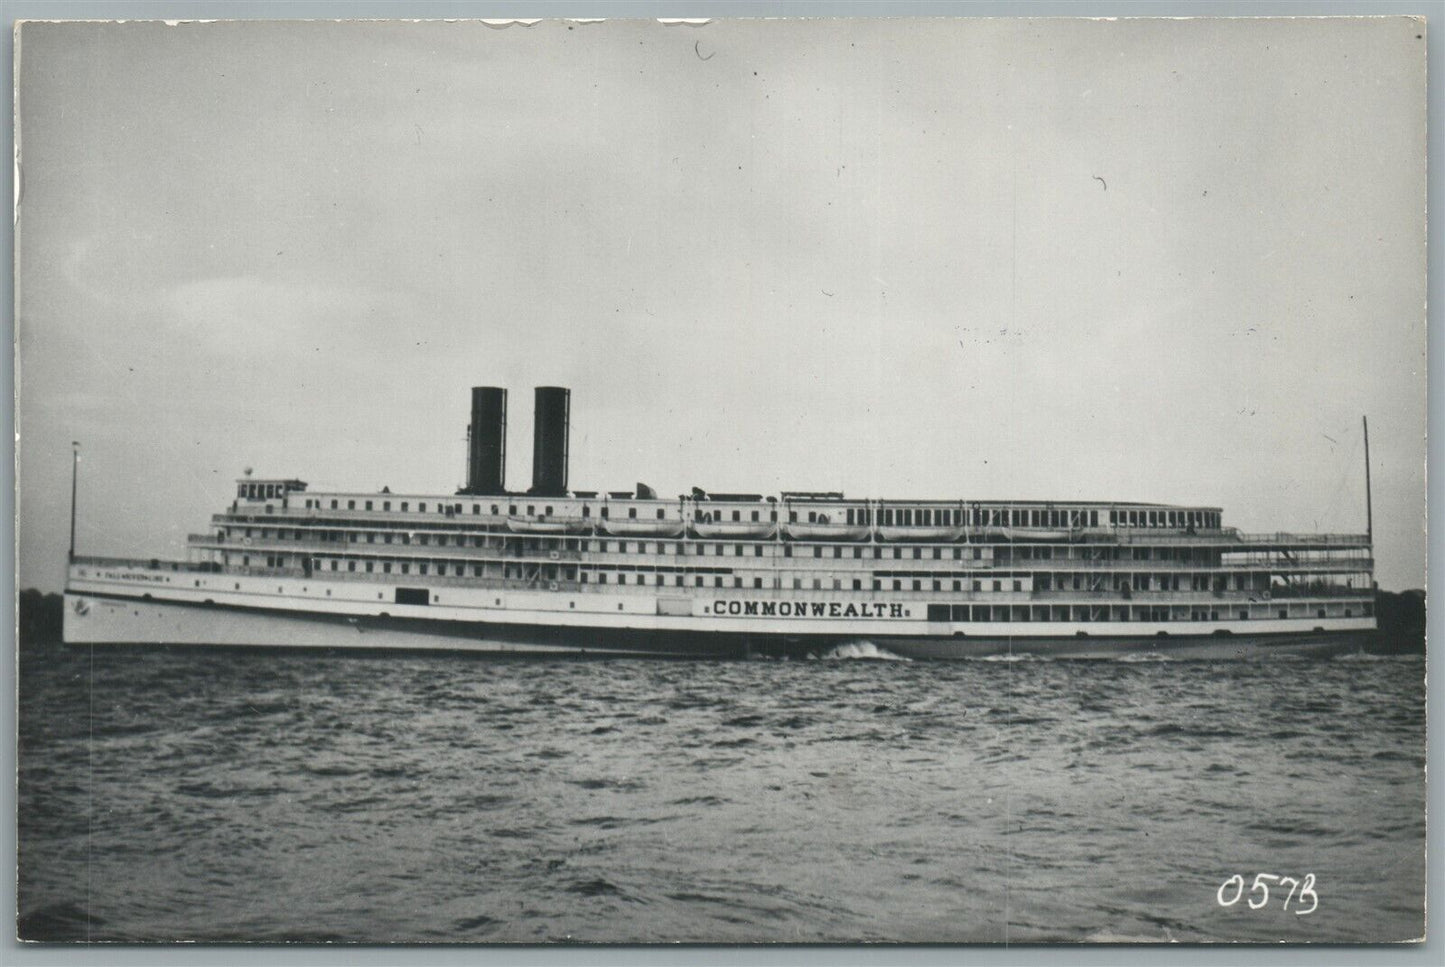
point(1284, 537)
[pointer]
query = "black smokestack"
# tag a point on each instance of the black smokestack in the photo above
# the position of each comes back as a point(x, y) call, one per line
point(549, 441)
point(487, 441)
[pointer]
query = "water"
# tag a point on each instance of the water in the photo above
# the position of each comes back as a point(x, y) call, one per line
point(174, 794)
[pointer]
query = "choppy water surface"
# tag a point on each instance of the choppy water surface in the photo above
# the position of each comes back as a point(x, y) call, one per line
point(170, 794)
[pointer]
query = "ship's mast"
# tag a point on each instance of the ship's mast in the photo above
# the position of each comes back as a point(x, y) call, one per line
point(1369, 504)
point(74, 473)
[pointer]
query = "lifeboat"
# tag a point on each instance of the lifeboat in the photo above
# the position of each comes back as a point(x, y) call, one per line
point(828, 532)
point(704, 526)
point(1029, 534)
point(546, 525)
point(641, 528)
point(926, 533)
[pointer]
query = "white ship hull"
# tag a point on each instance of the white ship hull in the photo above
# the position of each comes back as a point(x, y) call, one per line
point(146, 606)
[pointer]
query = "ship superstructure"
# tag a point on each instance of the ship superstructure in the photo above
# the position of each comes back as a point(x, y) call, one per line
point(554, 569)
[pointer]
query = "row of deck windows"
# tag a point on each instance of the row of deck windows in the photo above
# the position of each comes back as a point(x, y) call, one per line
point(857, 551)
point(1125, 583)
point(1164, 518)
point(973, 516)
point(1090, 613)
point(261, 491)
point(1003, 556)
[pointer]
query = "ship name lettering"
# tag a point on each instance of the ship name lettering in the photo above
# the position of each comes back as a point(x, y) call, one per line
point(805, 609)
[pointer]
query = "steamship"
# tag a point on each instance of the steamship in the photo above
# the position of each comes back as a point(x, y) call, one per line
point(554, 570)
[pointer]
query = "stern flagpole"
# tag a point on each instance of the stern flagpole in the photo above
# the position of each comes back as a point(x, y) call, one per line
point(1369, 503)
point(74, 473)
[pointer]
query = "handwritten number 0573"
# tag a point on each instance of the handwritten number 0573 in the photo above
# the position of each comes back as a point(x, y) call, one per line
point(1232, 890)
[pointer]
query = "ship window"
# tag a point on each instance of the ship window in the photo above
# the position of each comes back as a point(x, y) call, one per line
point(677, 580)
point(918, 585)
point(717, 582)
point(817, 551)
point(755, 515)
point(386, 568)
point(622, 579)
point(837, 552)
point(792, 517)
point(877, 584)
point(737, 550)
point(857, 585)
point(757, 550)
point(659, 513)
point(368, 505)
point(797, 584)
point(604, 512)
point(897, 585)
point(602, 579)
point(351, 565)
point(787, 550)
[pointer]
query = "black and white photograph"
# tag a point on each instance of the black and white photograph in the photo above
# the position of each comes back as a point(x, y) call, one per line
point(823, 480)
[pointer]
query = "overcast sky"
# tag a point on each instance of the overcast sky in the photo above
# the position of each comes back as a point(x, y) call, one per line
point(1169, 261)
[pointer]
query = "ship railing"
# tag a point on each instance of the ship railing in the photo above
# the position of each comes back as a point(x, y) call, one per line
point(379, 520)
point(381, 549)
point(1166, 535)
point(1184, 596)
point(146, 563)
point(1284, 537)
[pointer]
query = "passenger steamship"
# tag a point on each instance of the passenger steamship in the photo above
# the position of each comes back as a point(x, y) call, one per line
point(554, 570)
